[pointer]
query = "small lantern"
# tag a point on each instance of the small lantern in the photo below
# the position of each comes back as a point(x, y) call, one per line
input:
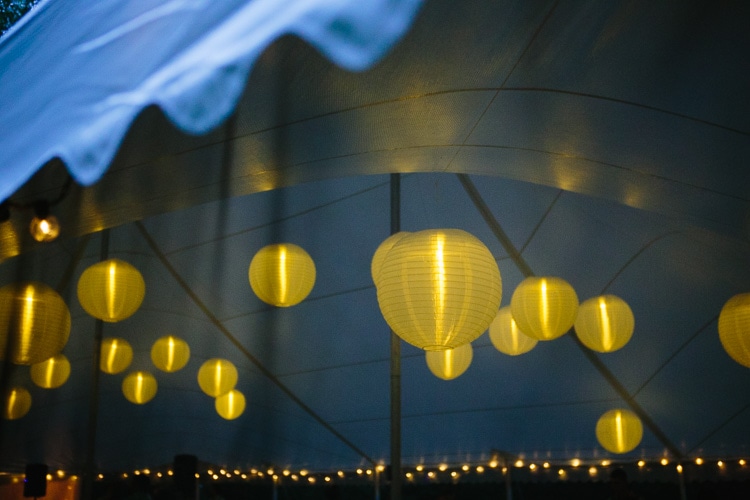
point(17, 403)
point(377, 259)
point(116, 355)
point(439, 288)
point(282, 275)
point(619, 431)
point(111, 290)
point(52, 373)
point(217, 376)
point(604, 323)
point(170, 353)
point(449, 363)
point(734, 328)
point(34, 323)
point(139, 387)
point(544, 307)
point(507, 337)
point(230, 405)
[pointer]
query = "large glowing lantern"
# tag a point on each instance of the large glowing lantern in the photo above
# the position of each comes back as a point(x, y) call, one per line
point(52, 373)
point(17, 403)
point(139, 387)
point(619, 431)
point(734, 328)
point(116, 355)
point(34, 323)
point(507, 337)
point(230, 405)
point(170, 353)
point(217, 376)
point(282, 275)
point(604, 323)
point(379, 256)
point(544, 307)
point(450, 363)
point(111, 290)
point(439, 288)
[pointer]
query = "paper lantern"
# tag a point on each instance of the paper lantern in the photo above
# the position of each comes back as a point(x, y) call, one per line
point(111, 290)
point(170, 353)
point(734, 328)
point(139, 387)
point(230, 405)
point(604, 323)
point(619, 431)
point(116, 355)
point(544, 307)
point(17, 403)
point(377, 259)
point(439, 288)
point(282, 275)
point(507, 337)
point(217, 376)
point(52, 373)
point(34, 323)
point(449, 363)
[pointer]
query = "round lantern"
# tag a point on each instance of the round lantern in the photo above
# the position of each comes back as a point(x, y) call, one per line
point(170, 353)
point(449, 363)
point(734, 328)
point(379, 256)
point(116, 355)
point(17, 403)
point(544, 307)
point(52, 373)
point(139, 387)
point(604, 323)
point(34, 323)
point(439, 288)
point(619, 431)
point(507, 337)
point(111, 290)
point(282, 275)
point(230, 405)
point(217, 376)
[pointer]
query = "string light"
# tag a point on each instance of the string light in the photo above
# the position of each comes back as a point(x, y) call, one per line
point(532, 467)
point(519, 463)
point(679, 468)
point(641, 463)
point(545, 465)
point(720, 464)
point(699, 461)
point(742, 462)
point(664, 461)
point(480, 469)
point(493, 463)
point(443, 467)
point(575, 462)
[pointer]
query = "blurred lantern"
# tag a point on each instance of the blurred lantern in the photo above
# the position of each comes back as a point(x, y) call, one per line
point(139, 387)
point(450, 363)
point(377, 259)
point(34, 323)
point(170, 353)
point(217, 376)
point(619, 431)
point(44, 227)
point(439, 288)
point(282, 275)
point(734, 328)
point(17, 403)
point(544, 308)
point(111, 290)
point(116, 355)
point(604, 323)
point(230, 405)
point(507, 337)
point(52, 373)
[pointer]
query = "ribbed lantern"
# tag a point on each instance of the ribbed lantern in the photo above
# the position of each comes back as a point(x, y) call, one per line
point(116, 355)
point(52, 373)
point(439, 288)
point(217, 376)
point(619, 430)
point(34, 323)
point(604, 323)
point(450, 363)
point(230, 405)
point(544, 307)
point(507, 337)
point(111, 290)
point(170, 353)
point(139, 387)
point(734, 328)
point(377, 259)
point(17, 403)
point(282, 275)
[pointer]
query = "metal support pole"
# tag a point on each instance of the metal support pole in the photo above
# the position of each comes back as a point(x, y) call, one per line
point(683, 493)
point(377, 484)
point(395, 361)
point(275, 487)
point(508, 481)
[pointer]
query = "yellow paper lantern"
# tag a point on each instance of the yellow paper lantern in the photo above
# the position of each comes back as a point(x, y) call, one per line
point(170, 353)
point(116, 355)
point(17, 403)
point(544, 307)
point(230, 405)
point(449, 363)
point(139, 387)
point(34, 323)
point(604, 323)
point(111, 290)
point(507, 337)
point(377, 259)
point(734, 328)
point(439, 288)
point(282, 275)
point(217, 376)
point(52, 373)
point(619, 431)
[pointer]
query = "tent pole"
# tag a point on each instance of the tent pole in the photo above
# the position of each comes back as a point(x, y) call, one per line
point(508, 481)
point(395, 361)
point(683, 493)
